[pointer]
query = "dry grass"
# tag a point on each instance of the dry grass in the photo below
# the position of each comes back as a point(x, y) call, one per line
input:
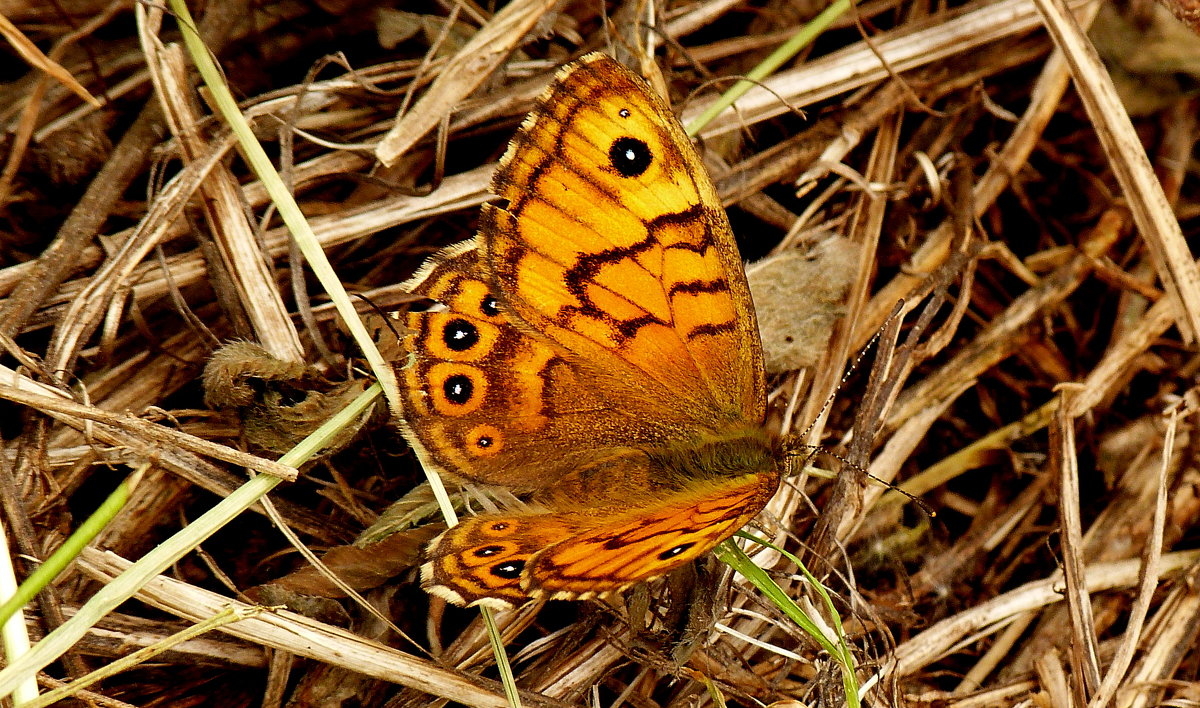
point(1038, 399)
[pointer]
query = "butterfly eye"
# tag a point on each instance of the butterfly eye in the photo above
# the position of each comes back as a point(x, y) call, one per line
point(487, 551)
point(458, 389)
point(668, 555)
point(460, 335)
point(455, 389)
point(509, 570)
point(630, 156)
point(489, 306)
point(624, 113)
point(486, 440)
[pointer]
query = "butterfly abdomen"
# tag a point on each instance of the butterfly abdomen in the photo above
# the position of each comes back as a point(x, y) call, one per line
point(717, 456)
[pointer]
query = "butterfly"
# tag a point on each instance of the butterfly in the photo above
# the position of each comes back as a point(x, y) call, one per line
point(595, 348)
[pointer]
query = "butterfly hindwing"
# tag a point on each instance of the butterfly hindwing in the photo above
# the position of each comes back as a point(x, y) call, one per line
point(483, 558)
point(651, 541)
point(504, 560)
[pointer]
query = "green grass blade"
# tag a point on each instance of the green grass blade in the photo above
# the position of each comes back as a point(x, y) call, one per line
point(61, 559)
point(730, 553)
point(776, 59)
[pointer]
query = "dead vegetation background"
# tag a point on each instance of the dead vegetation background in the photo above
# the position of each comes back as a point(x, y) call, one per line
point(1040, 401)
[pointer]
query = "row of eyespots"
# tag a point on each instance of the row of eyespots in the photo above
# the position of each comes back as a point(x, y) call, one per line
point(508, 569)
point(463, 387)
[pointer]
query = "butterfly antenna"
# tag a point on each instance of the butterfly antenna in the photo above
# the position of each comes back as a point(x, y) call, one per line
point(897, 311)
point(794, 448)
point(379, 311)
point(386, 316)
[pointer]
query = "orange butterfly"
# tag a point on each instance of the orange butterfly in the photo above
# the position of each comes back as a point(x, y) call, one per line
point(596, 347)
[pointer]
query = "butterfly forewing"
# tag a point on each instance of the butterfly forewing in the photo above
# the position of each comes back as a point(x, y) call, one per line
point(614, 245)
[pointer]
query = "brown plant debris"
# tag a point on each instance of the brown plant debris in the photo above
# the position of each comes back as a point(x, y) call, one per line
point(1035, 391)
